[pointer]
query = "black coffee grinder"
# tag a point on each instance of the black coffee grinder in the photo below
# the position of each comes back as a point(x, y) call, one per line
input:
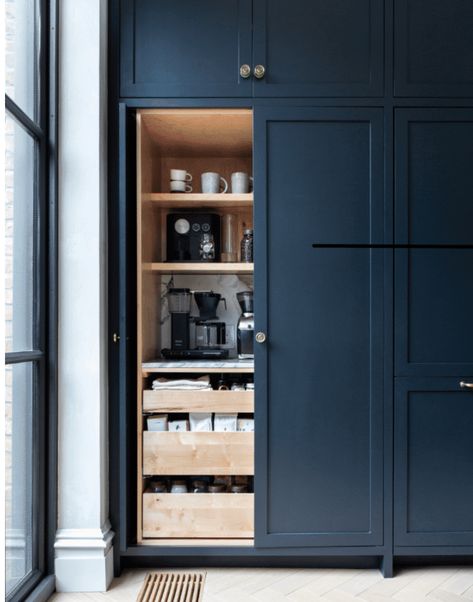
point(246, 326)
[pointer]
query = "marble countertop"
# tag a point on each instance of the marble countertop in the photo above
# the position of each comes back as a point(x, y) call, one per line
point(232, 363)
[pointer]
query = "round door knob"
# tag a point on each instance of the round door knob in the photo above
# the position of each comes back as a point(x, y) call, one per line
point(260, 337)
point(245, 71)
point(259, 71)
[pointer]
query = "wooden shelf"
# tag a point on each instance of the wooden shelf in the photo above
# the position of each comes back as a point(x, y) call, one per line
point(194, 453)
point(168, 200)
point(199, 268)
point(192, 515)
point(198, 542)
point(198, 401)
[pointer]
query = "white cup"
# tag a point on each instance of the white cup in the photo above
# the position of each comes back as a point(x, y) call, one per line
point(212, 181)
point(241, 182)
point(180, 175)
point(179, 186)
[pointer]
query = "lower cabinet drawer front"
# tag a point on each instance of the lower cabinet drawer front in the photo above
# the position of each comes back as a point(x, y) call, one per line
point(205, 515)
point(193, 453)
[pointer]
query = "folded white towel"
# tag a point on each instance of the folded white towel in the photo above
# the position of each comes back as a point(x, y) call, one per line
point(182, 384)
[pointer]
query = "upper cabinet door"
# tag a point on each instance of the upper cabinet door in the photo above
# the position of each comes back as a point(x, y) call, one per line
point(185, 48)
point(319, 47)
point(433, 48)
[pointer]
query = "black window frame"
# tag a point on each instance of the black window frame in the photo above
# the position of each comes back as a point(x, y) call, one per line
point(39, 583)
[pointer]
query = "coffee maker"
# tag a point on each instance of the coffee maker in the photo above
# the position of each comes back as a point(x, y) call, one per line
point(246, 325)
point(209, 334)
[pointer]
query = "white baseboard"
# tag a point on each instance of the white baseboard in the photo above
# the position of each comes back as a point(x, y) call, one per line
point(84, 559)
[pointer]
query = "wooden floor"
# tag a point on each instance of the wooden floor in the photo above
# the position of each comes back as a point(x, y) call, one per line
point(307, 585)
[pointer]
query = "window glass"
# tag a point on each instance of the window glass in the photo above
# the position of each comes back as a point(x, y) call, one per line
point(19, 237)
point(18, 473)
point(21, 54)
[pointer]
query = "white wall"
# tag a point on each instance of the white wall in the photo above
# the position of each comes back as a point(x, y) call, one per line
point(84, 538)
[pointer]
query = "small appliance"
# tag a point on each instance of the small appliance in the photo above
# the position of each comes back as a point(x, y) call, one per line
point(246, 325)
point(193, 237)
point(210, 333)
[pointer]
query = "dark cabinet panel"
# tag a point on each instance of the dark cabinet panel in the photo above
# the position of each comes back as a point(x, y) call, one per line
point(319, 48)
point(319, 376)
point(433, 48)
point(433, 463)
point(185, 48)
point(434, 176)
point(434, 312)
point(433, 200)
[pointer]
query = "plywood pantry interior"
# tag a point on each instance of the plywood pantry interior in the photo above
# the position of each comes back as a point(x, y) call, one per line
point(197, 140)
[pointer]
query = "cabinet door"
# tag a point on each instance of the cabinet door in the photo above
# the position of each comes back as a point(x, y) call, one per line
point(434, 286)
point(433, 48)
point(433, 462)
point(185, 48)
point(318, 178)
point(319, 48)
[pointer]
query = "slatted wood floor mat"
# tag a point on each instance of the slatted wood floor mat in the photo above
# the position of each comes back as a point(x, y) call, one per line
point(172, 587)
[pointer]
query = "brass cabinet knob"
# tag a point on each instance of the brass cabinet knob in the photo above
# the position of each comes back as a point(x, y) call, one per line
point(245, 71)
point(260, 337)
point(465, 385)
point(259, 71)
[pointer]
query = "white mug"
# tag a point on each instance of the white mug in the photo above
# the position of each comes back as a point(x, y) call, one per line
point(212, 181)
point(179, 186)
point(181, 175)
point(241, 182)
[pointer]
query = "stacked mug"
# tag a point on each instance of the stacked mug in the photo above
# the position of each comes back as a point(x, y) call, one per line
point(180, 181)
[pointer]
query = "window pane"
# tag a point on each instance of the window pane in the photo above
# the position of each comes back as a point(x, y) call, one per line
point(19, 237)
point(21, 53)
point(18, 472)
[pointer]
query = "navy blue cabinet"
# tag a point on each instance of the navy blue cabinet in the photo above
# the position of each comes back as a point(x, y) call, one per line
point(434, 286)
point(185, 48)
point(433, 48)
point(196, 49)
point(319, 376)
point(433, 462)
point(319, 48)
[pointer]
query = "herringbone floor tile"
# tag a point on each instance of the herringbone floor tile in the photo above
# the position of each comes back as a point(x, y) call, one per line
point(435, 584)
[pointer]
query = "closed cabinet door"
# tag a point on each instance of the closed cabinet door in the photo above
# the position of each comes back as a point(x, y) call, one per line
point(433, 48)
point(434, 462)
point(434, 217)
point(185, 48)
point(319, 373)
point(319, 48)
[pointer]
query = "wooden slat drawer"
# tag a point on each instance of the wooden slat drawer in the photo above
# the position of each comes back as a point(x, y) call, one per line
point(193, 453)
point(197, 515)
point(198, 401)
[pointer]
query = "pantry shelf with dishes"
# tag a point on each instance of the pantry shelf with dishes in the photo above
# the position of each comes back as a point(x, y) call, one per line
point(195, 367)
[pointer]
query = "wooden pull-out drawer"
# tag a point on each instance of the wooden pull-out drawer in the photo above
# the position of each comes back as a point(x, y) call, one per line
point(193, 453)
point(192, 515)
point(198, 401)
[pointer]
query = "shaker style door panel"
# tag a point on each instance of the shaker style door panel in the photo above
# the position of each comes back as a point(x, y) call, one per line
point(319, 375)
point(434, 176)
point(185, 48)
point(319, 48)
point(433, 48)
point(433, 463)
point(434, 208)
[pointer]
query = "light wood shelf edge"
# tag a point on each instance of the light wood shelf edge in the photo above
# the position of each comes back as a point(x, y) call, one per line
point(198, 401)
point(214, 543)
point(198, 268)
point(169, 200)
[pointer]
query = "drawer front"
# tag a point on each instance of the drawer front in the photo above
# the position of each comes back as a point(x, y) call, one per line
point(198, 453)
point(198, 401)
point(198, 515)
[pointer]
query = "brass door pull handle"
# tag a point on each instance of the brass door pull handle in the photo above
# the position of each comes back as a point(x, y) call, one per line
point(245, 71)
point(465, 385)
